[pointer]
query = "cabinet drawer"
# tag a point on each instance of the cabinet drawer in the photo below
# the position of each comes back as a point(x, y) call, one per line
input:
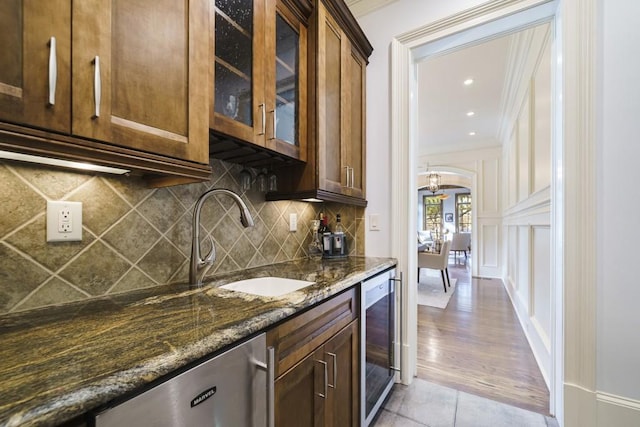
point(296, 338)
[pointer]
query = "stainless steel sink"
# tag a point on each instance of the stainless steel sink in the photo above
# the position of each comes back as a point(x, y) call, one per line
point(267, 286)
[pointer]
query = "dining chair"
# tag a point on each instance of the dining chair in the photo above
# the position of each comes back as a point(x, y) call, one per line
point(435, 261)
point(460, 242)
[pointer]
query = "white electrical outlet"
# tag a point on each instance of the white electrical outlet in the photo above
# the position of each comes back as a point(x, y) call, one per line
point(293, 222)
point(64, 221)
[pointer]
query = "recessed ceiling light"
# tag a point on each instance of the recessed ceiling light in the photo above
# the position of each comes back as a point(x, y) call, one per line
point(468, 82)
point(471, 113)
point(472, 133)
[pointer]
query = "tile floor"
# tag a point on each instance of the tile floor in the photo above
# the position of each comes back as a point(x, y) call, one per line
point(428, 404)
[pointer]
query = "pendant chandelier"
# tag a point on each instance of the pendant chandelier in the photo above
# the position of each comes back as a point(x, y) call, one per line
point(433, 182)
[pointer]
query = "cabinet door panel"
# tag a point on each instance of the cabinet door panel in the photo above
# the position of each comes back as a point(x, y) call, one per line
point(25, 51)
point(286, 82)
point(237, 68)
point(341, 355)
point(149, 87)
point(297, 401)
point(356, 138)
point(332, 172)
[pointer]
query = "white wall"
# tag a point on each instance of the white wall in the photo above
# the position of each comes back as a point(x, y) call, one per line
point(380, 27)
point(527, 217)
point(618, 320)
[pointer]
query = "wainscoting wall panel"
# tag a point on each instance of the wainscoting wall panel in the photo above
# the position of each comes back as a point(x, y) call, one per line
point(490, 238)
point(524, 150)
point(540, 274)
point(527, 221)
point(523, 271)
point(490, 180)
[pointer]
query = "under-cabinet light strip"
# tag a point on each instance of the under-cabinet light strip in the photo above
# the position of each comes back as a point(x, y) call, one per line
point(57, 162)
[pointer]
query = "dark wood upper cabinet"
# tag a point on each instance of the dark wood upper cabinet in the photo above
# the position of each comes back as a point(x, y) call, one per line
point(356, 148)
point(112, 82)
point(35, 61)
point(138, 75)
point(259, 69)
point(335, 169)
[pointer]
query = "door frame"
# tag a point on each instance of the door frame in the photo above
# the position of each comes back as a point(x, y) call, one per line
point(572, 391)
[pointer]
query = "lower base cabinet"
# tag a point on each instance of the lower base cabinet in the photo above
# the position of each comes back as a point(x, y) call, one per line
point(322, 390)
point(317, 363)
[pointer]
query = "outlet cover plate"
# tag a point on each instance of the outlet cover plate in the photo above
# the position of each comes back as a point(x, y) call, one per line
point(56, 221)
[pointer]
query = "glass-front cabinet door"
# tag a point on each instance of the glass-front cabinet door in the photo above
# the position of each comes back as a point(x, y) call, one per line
point(239, 109)
point(260, 77)
point(287, 83)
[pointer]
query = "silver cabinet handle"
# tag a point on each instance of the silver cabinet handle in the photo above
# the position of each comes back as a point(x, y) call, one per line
point(97, 85)
point(271, 380)
point(264, 119)
point(269, 367)
point(335, 369)
point(274, 124)
point(53, 71)
point(397, 365)
point(326, 379)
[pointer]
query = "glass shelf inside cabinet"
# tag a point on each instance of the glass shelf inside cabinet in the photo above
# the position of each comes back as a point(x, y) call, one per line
point(287, 40)
point(233, 59)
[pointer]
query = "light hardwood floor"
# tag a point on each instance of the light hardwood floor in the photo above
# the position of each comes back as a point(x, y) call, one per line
point(476, 344)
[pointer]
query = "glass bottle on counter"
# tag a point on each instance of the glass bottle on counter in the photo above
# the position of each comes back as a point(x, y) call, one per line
point(338, 238)
point(324, 227)
point(315, 247)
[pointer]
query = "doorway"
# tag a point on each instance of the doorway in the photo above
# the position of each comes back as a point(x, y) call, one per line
point(407, 51)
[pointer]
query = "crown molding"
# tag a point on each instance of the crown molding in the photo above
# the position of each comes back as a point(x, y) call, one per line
point(362, 7)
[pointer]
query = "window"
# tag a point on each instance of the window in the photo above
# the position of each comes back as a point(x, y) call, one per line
point(433, 215)
point(463, 213)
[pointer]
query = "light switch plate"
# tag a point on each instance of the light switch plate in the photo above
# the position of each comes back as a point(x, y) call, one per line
point(293, 222)
point(374, 222)
point(64, 221)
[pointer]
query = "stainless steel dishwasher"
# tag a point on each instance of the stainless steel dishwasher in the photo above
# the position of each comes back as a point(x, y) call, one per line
point(234, 388)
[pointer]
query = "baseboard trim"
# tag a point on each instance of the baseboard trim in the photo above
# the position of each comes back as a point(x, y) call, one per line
point(586, 408)
point(612, 399)
point(520, 310)
point(617, 410)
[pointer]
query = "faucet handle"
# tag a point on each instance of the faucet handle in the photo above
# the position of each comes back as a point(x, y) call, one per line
point(210, 257)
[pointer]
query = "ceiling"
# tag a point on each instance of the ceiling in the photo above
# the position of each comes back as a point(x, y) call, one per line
point(362, 7)
point(445, 102)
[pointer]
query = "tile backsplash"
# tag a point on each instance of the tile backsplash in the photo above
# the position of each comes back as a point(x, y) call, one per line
point(136, 237)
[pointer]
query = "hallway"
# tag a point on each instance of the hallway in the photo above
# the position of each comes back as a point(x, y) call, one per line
point(427, 404)
point(475, 367)
point(477, 345)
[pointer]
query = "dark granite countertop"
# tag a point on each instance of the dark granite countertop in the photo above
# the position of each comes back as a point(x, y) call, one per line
point(59, 362)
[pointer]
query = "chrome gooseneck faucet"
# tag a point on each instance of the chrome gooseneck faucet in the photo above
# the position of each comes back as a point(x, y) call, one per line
point(199, 265)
